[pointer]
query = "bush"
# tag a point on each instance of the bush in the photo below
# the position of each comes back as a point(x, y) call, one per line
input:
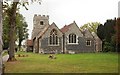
point(108, 47)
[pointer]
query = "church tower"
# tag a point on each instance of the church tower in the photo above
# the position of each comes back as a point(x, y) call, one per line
point(39, 23)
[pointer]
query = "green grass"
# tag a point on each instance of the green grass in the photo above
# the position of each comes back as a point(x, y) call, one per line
point(65, 63)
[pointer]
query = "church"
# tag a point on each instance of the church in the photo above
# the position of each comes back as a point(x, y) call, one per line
point(48, 38)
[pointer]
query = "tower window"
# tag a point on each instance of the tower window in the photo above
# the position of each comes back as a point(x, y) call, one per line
point(41, 23)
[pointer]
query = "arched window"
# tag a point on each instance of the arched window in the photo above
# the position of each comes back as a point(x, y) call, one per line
point(53, 37)
point(72, 38)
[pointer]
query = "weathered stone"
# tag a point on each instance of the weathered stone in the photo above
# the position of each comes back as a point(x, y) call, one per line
point(41, 37)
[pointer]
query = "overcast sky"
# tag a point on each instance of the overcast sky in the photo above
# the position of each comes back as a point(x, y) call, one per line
point(66, 11)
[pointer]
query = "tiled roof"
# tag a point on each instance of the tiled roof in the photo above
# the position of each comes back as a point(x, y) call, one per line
point(40, 34)
point(43, 31)
point(65, 28)
point(86, 32)
point(95, 36)
point(29, 43)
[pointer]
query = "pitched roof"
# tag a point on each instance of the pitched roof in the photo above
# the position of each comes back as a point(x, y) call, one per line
point(40, 34)
point(96, 36)
point(66, 28)
point(87, 33)
point(29, 43)
point(43, 31)
point(52, 25)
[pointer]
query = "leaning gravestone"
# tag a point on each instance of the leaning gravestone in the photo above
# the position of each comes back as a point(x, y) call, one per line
point(1, 66)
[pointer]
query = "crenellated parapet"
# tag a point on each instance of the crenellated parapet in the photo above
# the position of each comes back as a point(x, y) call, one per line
point(39, 23)
point(40, 17)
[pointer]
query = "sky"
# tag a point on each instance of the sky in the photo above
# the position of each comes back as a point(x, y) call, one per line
point(64, 12)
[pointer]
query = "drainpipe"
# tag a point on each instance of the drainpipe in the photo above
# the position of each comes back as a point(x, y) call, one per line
point(63, 43)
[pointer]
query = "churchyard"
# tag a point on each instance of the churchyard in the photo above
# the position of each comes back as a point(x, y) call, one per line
point(64, 63)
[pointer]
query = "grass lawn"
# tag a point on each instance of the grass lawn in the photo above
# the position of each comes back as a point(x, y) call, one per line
point(65, 63)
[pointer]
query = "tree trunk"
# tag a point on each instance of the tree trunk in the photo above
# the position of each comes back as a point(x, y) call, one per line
point(19, 44)
point(1, 64)
point(11, 51)
point(12, 42)
point(12, 32)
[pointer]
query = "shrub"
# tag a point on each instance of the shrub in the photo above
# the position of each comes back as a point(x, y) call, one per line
point(108, 47)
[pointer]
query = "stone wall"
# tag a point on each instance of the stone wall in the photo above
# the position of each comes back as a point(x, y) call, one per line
point(47, 48)
point(44, 45)
point(81, 46)
point(36, 24)
point(41, 41)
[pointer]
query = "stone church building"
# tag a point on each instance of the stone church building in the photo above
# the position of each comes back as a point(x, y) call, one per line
point(48, 38)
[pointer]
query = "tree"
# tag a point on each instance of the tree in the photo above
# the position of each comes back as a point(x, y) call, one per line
point(117, 29)
point(11, 13)
point(109, 30)
point(106, 33)
point(100, 31)
point(1, 38)
point(6, 31)
point(21, 29)
point(91, 26)
point(109, 33)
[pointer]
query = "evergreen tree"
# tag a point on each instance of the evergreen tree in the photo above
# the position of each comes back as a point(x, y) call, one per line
point(100, 32)
point(106, 33)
